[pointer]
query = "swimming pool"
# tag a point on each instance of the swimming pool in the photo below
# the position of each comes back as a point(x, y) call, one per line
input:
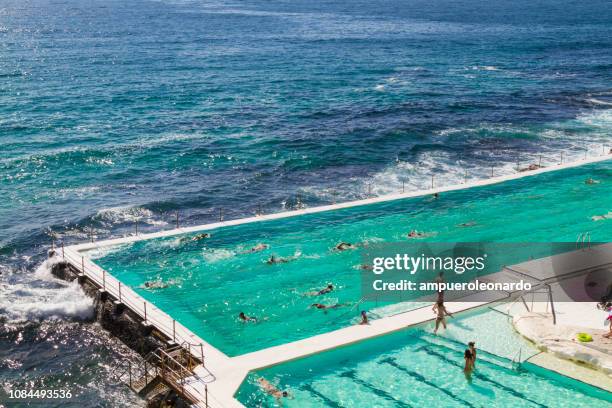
point(414, 368)
point(210, 281)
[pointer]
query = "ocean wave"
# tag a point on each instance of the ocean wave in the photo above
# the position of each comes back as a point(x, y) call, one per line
point(45, 297)
point(598, 102)
point(127, 215)
point(102, 252)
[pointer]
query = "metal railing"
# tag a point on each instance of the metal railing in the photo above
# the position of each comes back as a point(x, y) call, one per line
point(583, 240)
point(161, 364)
point(150, 314)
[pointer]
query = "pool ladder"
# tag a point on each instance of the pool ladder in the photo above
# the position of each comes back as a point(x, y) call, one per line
point(516, 360)
point(583, 240)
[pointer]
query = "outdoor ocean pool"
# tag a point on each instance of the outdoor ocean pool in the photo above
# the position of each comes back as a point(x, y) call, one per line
point(210, 281)
point(413, 368)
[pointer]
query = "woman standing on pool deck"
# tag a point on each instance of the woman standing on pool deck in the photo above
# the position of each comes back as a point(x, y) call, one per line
point(441, 311)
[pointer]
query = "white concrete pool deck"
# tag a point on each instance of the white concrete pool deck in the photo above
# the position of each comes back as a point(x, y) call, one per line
point(223, 375)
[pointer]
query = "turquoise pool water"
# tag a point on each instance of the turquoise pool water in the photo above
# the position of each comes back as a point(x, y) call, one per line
point(211, 281)
point(413, 368)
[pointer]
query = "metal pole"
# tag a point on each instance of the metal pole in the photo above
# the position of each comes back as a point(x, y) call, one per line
point(465, 177)
point(177, 219)
point(63, 253)
point(552, 305)
point(403, 186)
point(220, 214)
point(432, 181)
point(202, 353)
point(120, 292)
point(173, 330)
point(561, 157)
point(130, 372)
point(491, 171)
point(540, 161)
point(83, 265)
point(104, 279)
point(136, 227)
point(206, 394)
point(145, 311)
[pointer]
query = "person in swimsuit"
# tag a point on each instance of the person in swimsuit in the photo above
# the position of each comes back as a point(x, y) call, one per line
point(322, 306)
point(270, 389)
point(328, 289)
point(246, 318)
point(276, 260)
point(257, 248)
point(472, 349)
point(343, 246)
point(609, 320)
point(469, 365)
point(364, 318)
point(439, 280)
point(440, 310)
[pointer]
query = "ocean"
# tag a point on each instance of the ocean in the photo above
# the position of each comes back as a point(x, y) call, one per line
point(115, 112)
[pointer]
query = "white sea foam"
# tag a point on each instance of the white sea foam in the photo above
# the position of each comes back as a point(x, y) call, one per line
point(44, 297)
point(101, 252)
point(602, 217)
point(599, 102)
point(216, 255)
point(122, 215)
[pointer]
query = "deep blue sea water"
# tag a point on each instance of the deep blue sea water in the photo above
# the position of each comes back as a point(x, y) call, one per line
point(116, 111)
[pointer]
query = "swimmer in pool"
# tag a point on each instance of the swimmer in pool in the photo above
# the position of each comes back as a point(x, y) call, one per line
point(472, 349)
point(324, 307)
point(257, 248)
point(323, 291)
point(468, 224)
point(155, 285)
point(246, 318)
point(591, 181)
point(414, 234)
point(196, 238)
point(343, 246)
point(469, 365)
point(276, 260)
point(270, 389)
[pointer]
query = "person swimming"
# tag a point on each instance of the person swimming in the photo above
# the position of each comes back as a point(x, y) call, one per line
point(325, 290)
point(276, 260)
point(257, 248)
point(441, 314)
point(196, 237)
point(415, 234)
point(325, 307)
point(591, 181)
point(158, 284)
point(467, 224)
point(246, 318)
point(343, 246)
point(364, 318)
point(270, 389)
